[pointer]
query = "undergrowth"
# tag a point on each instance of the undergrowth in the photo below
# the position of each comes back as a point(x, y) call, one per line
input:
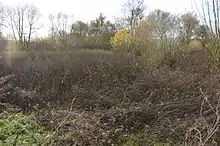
point(18, 129)
point(115, 99)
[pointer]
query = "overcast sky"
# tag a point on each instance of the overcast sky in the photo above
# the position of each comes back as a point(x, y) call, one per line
point(86, 10)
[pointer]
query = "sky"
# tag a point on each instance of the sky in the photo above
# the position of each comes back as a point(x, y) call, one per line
point(86, 10)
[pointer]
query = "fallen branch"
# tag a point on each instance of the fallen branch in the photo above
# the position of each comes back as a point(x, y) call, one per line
point(203, 131)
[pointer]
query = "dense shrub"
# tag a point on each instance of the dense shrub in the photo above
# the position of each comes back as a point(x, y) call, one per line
point(115, 96)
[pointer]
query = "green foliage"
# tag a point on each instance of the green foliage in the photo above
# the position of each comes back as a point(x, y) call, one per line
point(45, 44)
point(214, 48)
point(79, 28)
point(17, 129)
point(101, 27)
point(195, 45)
point(97, 42)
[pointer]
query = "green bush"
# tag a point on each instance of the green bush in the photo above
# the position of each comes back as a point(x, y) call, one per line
point(17, 129)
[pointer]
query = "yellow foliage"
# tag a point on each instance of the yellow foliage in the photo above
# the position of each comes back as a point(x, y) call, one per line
point(133, 43)
point(122, 39)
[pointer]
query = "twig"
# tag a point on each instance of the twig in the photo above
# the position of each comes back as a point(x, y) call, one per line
point(211, 129)
point(65, 119)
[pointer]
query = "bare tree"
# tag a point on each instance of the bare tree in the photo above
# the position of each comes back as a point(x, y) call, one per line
point(22, 21)
point(33, 16)
point(132, 11)
point(209, 13)
point(2, 18)
point(60, 28)
point(164, 24)
point(166, 29)
point(132, 14)
point(190, 24)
